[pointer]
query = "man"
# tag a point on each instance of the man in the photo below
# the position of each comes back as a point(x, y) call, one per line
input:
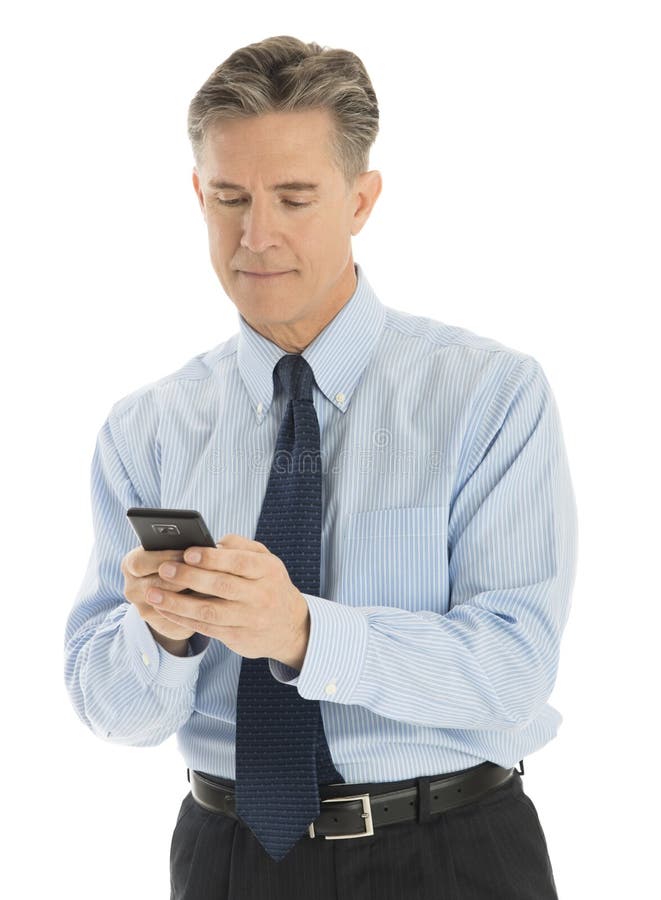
point(445, 546)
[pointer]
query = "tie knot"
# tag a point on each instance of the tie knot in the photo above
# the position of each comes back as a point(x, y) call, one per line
point(296, 376)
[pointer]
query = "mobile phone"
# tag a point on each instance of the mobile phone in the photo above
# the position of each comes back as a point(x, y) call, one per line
point(169, 529)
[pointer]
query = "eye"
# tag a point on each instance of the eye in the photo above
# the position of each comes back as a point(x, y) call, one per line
point(240, 200)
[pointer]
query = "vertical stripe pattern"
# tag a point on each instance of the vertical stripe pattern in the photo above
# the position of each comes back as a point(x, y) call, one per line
point(447, 556)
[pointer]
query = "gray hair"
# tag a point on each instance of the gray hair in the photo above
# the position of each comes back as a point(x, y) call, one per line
point(283, 74)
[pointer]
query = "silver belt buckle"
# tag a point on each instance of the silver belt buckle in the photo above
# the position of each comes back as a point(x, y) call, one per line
point(366, 815)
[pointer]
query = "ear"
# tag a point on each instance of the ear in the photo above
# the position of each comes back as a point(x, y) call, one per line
point(198, 190)
point(368, 187)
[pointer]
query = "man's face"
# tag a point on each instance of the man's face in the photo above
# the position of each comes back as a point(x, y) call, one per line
point(258, 227)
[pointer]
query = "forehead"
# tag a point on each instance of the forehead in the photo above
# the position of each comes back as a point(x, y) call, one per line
point(275, 139)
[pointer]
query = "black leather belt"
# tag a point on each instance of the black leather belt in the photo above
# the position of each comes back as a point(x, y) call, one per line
point(359, 814)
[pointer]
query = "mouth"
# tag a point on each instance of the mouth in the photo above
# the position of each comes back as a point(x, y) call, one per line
point(265, 275)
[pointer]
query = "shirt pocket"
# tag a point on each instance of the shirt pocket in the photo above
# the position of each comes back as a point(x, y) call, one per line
point(396, 557)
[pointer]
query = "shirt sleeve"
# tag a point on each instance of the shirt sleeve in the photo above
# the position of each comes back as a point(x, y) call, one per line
point(123, 685)
point(491, 660)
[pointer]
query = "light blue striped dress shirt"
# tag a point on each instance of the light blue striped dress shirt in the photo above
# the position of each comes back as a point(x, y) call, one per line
point(448, 546)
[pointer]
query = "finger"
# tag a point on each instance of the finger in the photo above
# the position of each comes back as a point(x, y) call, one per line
point(238, 541)
point(140, 562)
point(165, 583)
point(215, 582)
point(221, 632)
point(210, 611)
point(246, 563)
point(137, 588)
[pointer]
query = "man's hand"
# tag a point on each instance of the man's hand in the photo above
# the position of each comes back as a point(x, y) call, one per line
point(140, 570)
point(243, 597)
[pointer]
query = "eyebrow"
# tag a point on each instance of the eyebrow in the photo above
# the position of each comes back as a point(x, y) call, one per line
point(286, 186)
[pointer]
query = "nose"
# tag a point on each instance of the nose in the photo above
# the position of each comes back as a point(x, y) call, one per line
point(260, 230)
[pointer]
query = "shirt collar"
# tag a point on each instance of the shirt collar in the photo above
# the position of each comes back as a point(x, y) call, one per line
point(338, 355)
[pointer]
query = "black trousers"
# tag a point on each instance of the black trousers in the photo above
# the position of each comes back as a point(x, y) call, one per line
point(491, 849)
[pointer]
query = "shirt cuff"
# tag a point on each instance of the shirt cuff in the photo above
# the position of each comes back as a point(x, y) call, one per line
point(335, 655)
point(153, 663)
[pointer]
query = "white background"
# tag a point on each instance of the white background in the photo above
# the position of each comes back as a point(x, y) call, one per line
point(519, 148)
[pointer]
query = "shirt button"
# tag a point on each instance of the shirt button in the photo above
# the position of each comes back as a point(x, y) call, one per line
point(331, 688)
point(339, 398)
point(260, 407)
point(145, 659)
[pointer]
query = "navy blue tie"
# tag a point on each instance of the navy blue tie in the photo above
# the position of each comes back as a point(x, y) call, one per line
point(281, 751)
